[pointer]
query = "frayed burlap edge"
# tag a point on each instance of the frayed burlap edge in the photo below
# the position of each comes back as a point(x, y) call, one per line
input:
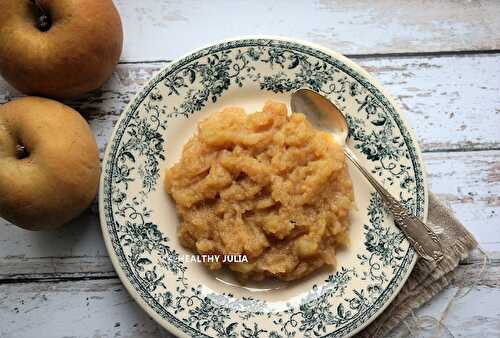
point(426, 279)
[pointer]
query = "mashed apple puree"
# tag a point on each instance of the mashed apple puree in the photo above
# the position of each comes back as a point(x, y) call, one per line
point(265, 185)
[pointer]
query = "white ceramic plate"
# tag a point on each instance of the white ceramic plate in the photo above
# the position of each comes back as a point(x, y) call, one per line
point(139, 221)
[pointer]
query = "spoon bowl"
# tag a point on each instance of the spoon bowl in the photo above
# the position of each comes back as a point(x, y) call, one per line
point(325, 115)
point(321, 112)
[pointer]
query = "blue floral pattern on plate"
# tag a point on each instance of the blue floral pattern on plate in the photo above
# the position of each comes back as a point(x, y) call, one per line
point(338, 303)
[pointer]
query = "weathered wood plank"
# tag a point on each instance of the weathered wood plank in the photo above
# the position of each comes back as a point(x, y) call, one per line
point(164, 30)
point(83, 309)
point(452, 102)
point(474, 315)
point(75, 250)
point(468, 181)
point(103, 308)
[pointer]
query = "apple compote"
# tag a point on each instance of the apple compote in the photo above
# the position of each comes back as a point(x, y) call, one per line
point(266, 186)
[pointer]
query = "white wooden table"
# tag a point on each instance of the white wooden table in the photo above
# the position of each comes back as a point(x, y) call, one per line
point(439, 59)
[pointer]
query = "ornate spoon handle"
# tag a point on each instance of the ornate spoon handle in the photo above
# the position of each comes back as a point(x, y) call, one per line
point(421, 237)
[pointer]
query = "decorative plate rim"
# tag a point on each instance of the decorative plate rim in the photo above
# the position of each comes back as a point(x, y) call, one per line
point(123, 275)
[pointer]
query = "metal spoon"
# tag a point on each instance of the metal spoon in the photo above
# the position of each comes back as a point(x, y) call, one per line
point(323, 114)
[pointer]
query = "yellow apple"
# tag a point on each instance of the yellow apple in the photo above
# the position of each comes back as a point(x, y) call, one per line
point(58, 48)
point(49, 163)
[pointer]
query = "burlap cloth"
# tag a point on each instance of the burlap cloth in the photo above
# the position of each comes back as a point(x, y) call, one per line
point(426, 280)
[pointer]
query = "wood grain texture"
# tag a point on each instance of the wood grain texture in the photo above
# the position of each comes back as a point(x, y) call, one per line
point(82, 309)
point(103, 308)
point(472, 315)
point(469, 182)
point(452, 102)
point(164, 30)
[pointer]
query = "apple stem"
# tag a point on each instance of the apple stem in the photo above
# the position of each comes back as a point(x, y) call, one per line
point(44, 23)
point(21, 152)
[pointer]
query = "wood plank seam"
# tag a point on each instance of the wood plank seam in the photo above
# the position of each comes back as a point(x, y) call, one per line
point(362, 56)
point(107, 275)
point(433, 54)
